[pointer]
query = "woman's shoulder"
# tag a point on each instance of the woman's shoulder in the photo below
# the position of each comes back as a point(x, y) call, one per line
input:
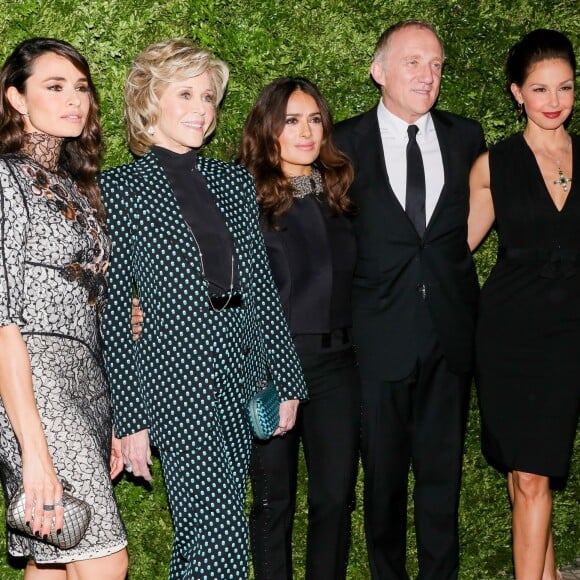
point(131, 178)
point(9, 162)
point(122, 172)
point(221, 168)
point(6, 160)
point(508, 146)
point(13, 160)
point(21, 170)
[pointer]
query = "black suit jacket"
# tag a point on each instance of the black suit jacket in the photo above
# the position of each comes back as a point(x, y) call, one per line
point(393, 261)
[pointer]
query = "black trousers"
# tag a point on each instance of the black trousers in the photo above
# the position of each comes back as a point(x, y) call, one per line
point(329, 426)
point(417, 423)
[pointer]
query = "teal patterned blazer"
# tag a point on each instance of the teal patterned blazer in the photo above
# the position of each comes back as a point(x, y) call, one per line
point(164, 379)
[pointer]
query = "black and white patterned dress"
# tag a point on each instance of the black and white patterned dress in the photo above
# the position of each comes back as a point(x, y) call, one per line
point(53, 257)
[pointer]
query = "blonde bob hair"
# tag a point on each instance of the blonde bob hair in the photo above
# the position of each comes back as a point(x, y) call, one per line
point(165, 62)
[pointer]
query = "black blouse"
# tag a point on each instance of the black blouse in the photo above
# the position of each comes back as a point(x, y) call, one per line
point(202, 215)
point(312, 257)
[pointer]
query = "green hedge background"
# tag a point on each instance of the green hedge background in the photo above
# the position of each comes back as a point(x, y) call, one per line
point(331, 42)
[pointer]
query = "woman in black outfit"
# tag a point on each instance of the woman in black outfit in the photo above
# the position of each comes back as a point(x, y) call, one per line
point(528, 335)
point(302, 182)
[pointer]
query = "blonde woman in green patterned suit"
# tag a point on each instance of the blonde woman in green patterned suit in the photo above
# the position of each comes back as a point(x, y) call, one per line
point(185, 233)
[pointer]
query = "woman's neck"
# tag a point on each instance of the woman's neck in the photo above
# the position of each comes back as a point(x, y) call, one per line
point(43, 148)
point(554, 141)
point(293, 170)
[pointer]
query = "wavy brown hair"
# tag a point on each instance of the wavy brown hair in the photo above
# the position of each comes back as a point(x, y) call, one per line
point(80, 156)
point(260, 150)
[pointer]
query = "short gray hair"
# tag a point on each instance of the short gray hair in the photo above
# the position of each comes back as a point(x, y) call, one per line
point(385, 37)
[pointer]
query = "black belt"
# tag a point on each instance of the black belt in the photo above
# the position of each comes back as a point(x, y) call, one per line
point(338, 337)
point(223, 301)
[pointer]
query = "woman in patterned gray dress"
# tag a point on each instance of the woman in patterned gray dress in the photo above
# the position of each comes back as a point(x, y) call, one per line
point(55, 419)
point(185, 232)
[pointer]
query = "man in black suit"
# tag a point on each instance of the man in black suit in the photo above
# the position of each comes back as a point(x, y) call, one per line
point(415, 294)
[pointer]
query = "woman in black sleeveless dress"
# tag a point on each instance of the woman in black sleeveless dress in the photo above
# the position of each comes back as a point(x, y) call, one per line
point(528, 338)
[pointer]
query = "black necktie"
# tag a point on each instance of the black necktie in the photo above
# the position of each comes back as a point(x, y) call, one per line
point(415, 199)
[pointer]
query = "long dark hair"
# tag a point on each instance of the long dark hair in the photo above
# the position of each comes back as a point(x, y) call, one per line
point(260, 150)
point(80, 156)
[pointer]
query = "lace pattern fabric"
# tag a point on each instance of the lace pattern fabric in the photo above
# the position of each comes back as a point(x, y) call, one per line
point(44, 149)
point(53, 259)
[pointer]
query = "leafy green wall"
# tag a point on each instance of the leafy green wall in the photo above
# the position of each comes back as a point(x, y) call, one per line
point(331, 42)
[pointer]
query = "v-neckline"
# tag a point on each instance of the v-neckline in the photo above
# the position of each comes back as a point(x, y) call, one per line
point(543, 181)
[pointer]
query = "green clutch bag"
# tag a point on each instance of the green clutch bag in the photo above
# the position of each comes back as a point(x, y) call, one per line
point(263, 412)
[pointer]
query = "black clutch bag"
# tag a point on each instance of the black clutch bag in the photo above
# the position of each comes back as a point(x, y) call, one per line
point(77, 515)
point(263, 412)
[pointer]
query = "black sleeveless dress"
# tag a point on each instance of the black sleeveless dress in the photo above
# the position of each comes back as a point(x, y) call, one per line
point(528, 335)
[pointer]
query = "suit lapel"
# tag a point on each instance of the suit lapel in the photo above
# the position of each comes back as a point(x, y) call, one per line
point(444, 137)
point(162, 197)
point(374, 161)
point(221, 196)
point(370, 135)
point(229, 204)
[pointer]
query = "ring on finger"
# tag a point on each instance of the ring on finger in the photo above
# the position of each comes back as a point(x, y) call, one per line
point(48, 507)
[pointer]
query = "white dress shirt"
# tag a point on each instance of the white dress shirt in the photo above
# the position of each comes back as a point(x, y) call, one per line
point(395, 138)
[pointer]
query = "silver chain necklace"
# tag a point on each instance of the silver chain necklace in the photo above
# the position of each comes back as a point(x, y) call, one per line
point(231, 290)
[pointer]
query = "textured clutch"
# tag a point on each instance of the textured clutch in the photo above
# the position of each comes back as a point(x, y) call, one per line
point(263, 411)
point(77, 515)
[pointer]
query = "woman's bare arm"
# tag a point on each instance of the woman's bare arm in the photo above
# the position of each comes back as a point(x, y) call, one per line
point(41, 484)
point(481, 211)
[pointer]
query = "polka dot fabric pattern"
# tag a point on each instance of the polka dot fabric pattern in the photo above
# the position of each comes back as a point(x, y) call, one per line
point(188, 378)
point(57, 316)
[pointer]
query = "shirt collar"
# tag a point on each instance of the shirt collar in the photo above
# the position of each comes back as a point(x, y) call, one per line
point(395, 126)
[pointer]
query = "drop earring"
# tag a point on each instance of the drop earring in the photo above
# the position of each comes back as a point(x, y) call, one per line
point(520, 109)
point(151, 130)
